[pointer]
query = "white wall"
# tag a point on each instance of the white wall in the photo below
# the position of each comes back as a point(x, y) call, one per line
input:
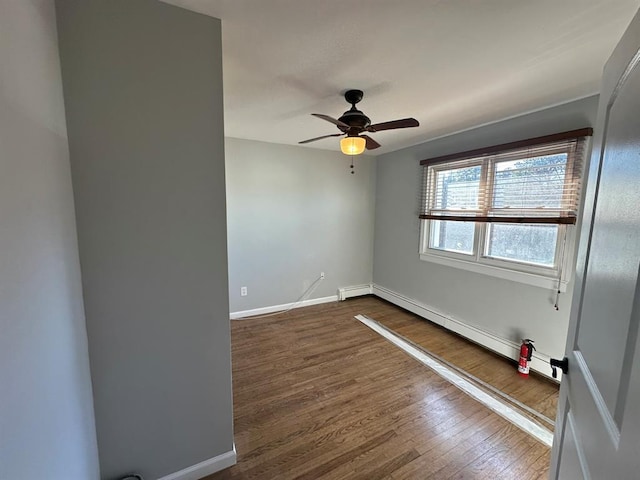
point(506, 309)
point(143, 96)
point(46, 413)
point(295, 212)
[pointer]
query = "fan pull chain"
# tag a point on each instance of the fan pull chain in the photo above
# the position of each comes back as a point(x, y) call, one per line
point(352, 172)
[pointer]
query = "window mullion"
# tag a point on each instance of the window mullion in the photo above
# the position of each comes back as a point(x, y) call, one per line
point(484, 203)
point(488, 167)
point(478, 243)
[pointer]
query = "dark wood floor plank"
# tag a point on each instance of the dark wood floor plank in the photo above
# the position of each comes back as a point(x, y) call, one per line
point(318, 395)
point(536, 392)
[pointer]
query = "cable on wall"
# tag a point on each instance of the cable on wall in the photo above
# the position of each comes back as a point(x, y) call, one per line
point(299, 300)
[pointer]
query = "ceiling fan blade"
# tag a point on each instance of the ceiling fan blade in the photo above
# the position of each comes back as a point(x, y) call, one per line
point(320, 138)
point(371, 143)
point(393, 124)
point(330, 120)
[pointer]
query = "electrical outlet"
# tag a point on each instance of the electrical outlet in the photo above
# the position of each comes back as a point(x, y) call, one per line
point(321, 275)
point(243, 291)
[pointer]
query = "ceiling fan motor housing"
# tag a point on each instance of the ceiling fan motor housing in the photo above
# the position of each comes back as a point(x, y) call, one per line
point(356, 120)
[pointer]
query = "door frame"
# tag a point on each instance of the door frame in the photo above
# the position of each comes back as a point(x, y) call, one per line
point(623, 60)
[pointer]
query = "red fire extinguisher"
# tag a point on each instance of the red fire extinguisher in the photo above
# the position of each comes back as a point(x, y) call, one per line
point(526, 352)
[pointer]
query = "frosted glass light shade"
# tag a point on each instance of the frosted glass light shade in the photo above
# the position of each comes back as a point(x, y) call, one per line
point(352, 145)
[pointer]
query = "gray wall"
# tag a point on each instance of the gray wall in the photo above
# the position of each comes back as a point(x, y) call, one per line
point(143, 95)
point(506, 309)
point(46, 412)
point(293, 213)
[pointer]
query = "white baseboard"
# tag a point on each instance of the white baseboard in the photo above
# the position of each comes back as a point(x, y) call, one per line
point(202, 469)
point(354, 291)
point(508, 348)
point(284, 306)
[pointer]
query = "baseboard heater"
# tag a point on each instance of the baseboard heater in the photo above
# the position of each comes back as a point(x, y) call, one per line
point(502, 346)
point(354, 291)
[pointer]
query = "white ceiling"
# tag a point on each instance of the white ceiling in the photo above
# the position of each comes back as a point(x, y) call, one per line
point(451, 64)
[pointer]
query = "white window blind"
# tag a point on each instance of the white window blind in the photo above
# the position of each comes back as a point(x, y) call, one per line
point(531, 181)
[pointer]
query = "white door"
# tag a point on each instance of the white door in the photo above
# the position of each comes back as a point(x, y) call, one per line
point(598, 425)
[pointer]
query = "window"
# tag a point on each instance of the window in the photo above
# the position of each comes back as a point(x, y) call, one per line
point(508, 207)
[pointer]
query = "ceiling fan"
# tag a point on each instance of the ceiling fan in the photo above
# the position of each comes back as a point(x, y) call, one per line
point(353, 123)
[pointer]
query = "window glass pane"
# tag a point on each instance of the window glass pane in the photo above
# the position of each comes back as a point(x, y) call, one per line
point(530, 183)
point(452, 236)
point(524, 243)
point(457, 188)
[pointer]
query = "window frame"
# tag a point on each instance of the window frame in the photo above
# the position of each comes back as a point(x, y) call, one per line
point(536, 275)
point(555, 277)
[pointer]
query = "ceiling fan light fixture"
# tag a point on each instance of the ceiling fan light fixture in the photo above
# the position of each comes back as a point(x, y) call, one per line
point(352, 145)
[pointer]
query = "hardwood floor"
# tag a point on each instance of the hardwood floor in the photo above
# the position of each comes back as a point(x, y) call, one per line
point(535, 392)
point(317, 395)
